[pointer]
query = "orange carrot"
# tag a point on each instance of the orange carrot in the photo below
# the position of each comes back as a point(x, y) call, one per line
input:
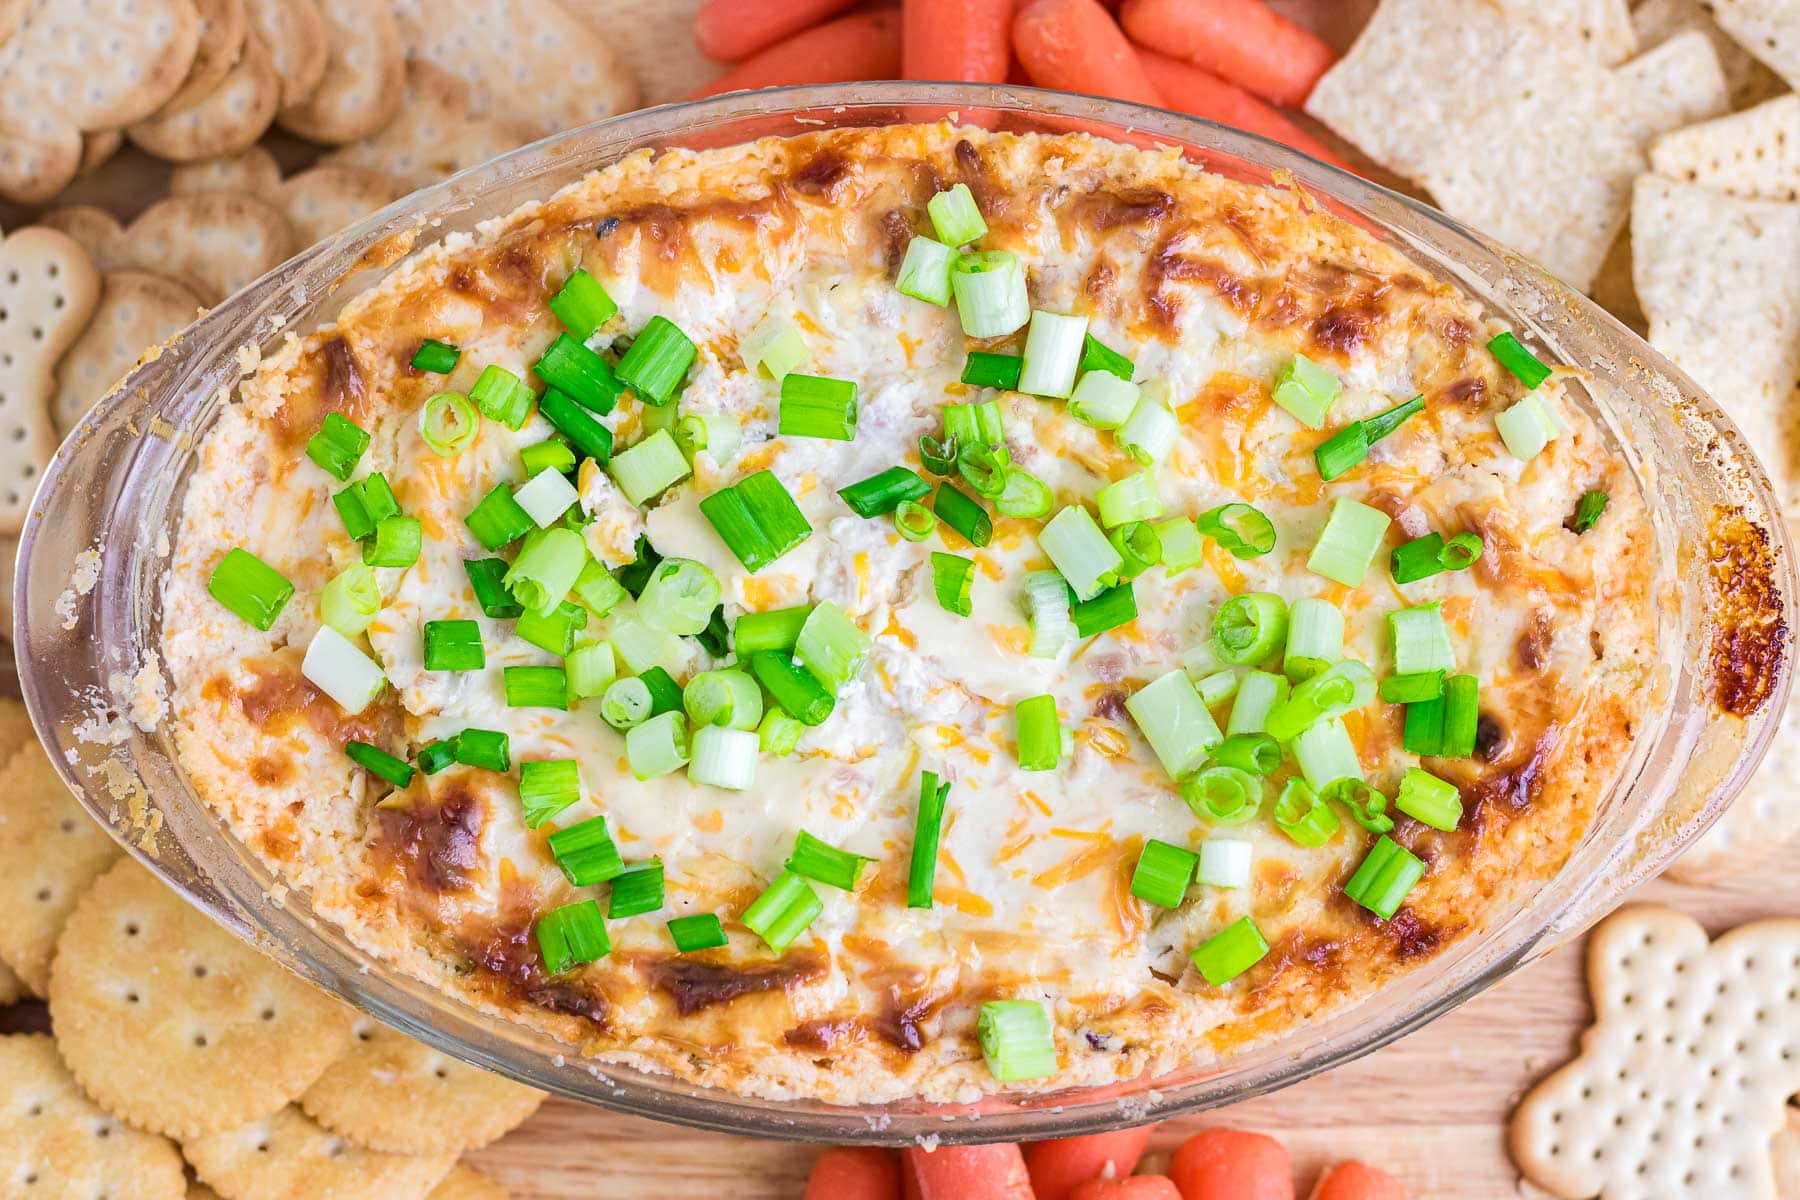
point(1190, 89)
point(1137, 1187)
point(860, 46)
point(1243, 40)
point(1057, 1166)
point(1354, 1180)
point(970, 1173)
point(854, 1173)
point(732, 30)
point(956, 39)
point(1229, 1164)
point(1075, 46)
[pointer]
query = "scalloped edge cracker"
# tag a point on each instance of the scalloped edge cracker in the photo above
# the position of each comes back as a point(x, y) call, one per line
point(434, 136)
point(466, 1183)
point(219, 241)
point(1753, 154)
point(137, 310)
point(319, 202)
point(221, 41)
point(1750, 82)
point(287, 1156)
point(56, 59)
point(1683, 1079)
point(225, 120)
point(253, 172)
point(365, 72)
point(1769, 29)
point(661, 33)
point(38, 157)
point(299, 46)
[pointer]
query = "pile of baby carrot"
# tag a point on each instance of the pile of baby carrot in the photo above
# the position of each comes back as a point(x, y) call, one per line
point(1236, 62)
point(1214, 1164)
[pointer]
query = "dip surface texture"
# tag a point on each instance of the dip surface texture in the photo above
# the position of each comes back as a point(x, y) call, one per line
point(1212, 287)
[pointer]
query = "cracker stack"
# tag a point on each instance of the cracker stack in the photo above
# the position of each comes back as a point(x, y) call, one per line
point(174, 1041)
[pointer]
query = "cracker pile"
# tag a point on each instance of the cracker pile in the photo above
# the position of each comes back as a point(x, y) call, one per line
point(179, 1051)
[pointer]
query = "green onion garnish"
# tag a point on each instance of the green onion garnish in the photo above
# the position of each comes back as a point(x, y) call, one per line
point(1462, 713)
point(1366, 806)
point(715, 639)
point(350, 601)
point(1138, 546)
point(779, 734)
point(1258, 693)
point(591, 669)
point(448, 423)
point(831, 646)
point(756, 519)
point(792, 687)
point(982, 369)
point(1230, 952)
point(985, 469)
point(1175, 721)
point(952, 576)
point(782, 913)
point(778, 629)
point(1182, 546)
point(881, 494)
point(1222, 795)
point(396, 543)
point(650, 467)
point(335, 666)
point(546, 569)
point(1241, 529)
point(1424, 797)
point(1421, 640)
point(249, 587)
point(1133, 498)
point(1049, 614)
point(636, 890)
point(547, 787)
point(1256, 753)
point(729, 698)
point(1411, 689)
point(377, 497)
point(697, 931)
point(1340, 688)
point(453, 646)
point(1078, 548)
point(571, 935)
point(498, 520)
point(338, 446)
point(1218, 687)
point(502, 396)
point(815, 406)
point(665, 693)
point(1424, 731)
point(435, 756)
point(955, 216)
point(353, 512)
point(1315, 638)
point(553, 631)
point(1326, 754)
point(1103, 400)
point(658, 361)
point(485, 577)
point(1017, 1041)
point(1349, 446)
point(626, 703)
point(1024, 496)
point(1096, 355)
point(376, 761)
point(913, 521)
point(1349, 542)
point(928, 827)
point(925, 271)
point(574, 369)
point(1385, 877)
point(1587, 511)
point(435, 357)
point(1524, 365)
point(1418, 559)
point(1249, 628)
point(488, 749)
point(773, 346)
point(589, 437)
point(989, 287)
point(1527, 427)
point(596, 588)
point(680, 596)
point(1461, 552)
point(582, 304)
point(585, 850)
point(659, 745)
point(536, 687)
point(1306, 390)
point(1040, 734)
point(1052, 354)
point(1302, 816)
point(824, 863)
point(1163, 873)
point(1149, 432)
point(1225, 863)
point(964, 515)
point(1112, 608)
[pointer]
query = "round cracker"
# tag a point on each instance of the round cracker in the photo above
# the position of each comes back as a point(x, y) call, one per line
point(364, 76)
point(55, 1142)
point(322, 201)
point(48, 287)
point(218, 1033)
point(295, 34)
point(97, 148)
point(434, 136)
point(100, 64)
point(50, 852)
point(15, 726)
point(466, 1183)
point(391, 1093)
point(286, 1156)
point(38, 157)
point(137, 310)
point(219, 241)
point(253, 171)
point(95, 231)
point(222, 27)
point(223, 121)
point(12, 988)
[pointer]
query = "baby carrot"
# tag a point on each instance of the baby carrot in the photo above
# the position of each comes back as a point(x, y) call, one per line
point(1190, 89)
point(1230, 1164)
point(1057, 1166)
point(731, 30)
point(1354, 1180)
point(1137, 1187)
point(1244, 40)
point(956, 39)
point(854, 1173)
point(970, 1173)
point(1074, 46)
point(860, 46)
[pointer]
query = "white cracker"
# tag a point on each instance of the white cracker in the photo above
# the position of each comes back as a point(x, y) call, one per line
point(466, 1183)
point(225, 120)
point(253, 172)
point(1679, 82)
point(1601, 29)
point(1682, 1081)
point(1658, 20)
point(222, 28)
point(434, 136)
point(1754, 153)
point(364, 75)
point(1769, 29)
point(137, 310)
point(289, 1157)
point(660, 37)
point(298, 45)
point(39, 155)
point(328, 198)
point(218, 240)
point(99, 64)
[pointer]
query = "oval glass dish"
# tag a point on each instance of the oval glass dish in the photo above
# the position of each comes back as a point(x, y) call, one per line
point(97, 543)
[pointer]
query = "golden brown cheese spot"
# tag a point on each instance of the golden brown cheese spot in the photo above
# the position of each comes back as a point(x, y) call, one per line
point(696, 985)
point(511, 965)
point(1532, 650)
point(1751, 633)
point(328, 379)
point(1412, 935)
point(1468, 394)
point(821, 175)
point(829, 1034)
point(272, 770)
point(1108, 209)
point(438, 844)
point(281, 699)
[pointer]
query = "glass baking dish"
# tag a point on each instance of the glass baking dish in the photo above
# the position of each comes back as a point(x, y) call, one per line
point(93, 550)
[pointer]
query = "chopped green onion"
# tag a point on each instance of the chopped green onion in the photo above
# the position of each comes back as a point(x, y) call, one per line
point(982, 369)
point(1133, 498)
point(1258, 693)
point(1385, 877)
point(939, 455)
point(782, 913)
point(928, 827)
point(546, 497)
point(756, 519)
point(1175, 721)
point(498, 520)
point(1112, 608)
point(585, 851)
point(1315, 638)
point(1047, 610)
point(955, 217)
point(1223, 795)
point(1017, 1041)
point(1039, 732)
point(1218, 687)
point(1587, 511)
point(1103, 400)
point(1461, 552)
point(336, 667)
point(1326, 754)
point(1078, 548)
point(1024, 496)
point(1525, 366)
point(642, 648)
point(728, 698)
point(1303, 816)
point(1138, 546)
point(1225, 863)
point(350, 601)
point(1163, 873)
point(723, 758)
point(1306, 390)
point(719, 434)
point(502, 396)
point(546, 787)
point(546, 569)
point(989, 287)
point(779, 734)
point(435, 357)
point(1367, 806)
point(636, 890)
point(658, 746)
point(1462, 713)
point(1241, 529)
point(1421, 640)
point(824, 863)
point(1096, 355)
point(697, 931)
point(963, 515)
point(396, 543)
point(1249, 628)
point(448, 423)
point(1410, 689)
point(665, 693)
point(680, 596)
point(570, 366)
point(626, 703)
point(379, 762)
point(571, 935)
point(831, 646)
point(453, 646)
point(1424, 732)
point(951, 578)
point(1527, 427)
point(1349, 542)
point(435, 756)
point(597, 589)
point(1426, 798)
point(913, 521)
point(925, 271)
point(488, 749)
point(792, 687)
point(589, 437)
point(778, 629)
point(1149, 432)
point(353, 512)
point(249, 587)
point(649, 467)
point(1340, 688)
point(591, 669)
point(984, 468)
point(582, 304)
point(773, 346)
point(1052, 354)
point(1230, 952)
point(377, 497)
point(553, 631)
point(536, 687)
point(338, 446)
point(1418, 559)
point(881, 494)
point(1350, 445)
point(636, 574)
point(818, 407)
point(1255, 753)
point(1182, 545)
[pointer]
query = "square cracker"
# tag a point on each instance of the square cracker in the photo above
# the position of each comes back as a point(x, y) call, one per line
point(1769, 29)
point(1719, 279)
point(1754, 153)
point(1601, 29)
point(1677, 83)
point(1749, 80)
